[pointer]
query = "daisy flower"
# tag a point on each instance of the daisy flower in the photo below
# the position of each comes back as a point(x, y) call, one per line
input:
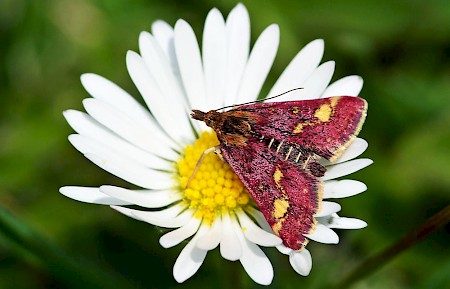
point(157, 147)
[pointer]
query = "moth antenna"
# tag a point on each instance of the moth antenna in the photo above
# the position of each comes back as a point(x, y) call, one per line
point(259, 100)
point(200, 160)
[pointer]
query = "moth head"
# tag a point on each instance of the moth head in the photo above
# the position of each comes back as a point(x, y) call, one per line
point(211, 118)
point(198, 115)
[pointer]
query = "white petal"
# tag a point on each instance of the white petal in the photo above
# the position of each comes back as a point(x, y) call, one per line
point(336, 222)
point(348, 223)
point(90, 195)
point(160, 68)
point(230, 247)
point(151, 140)
point(316, 84)
point(323, 234)
point(254, 261)
point(238, 45)
point(284, 250)
point(132, 172)
point(85, 125)
point(262, 222)
point(328, 208)
point(259, 217)
point(343, 169)
point(143, 198)
point(343, 189)
point(126, 211)
point(212, 237)
point(190, 65)
point(215, 58)
point(255, 234)
point(301, 262)
point(172, 217)
point(347, 86)
point(190, 259)
point(163, 34)
point(105, 90)
point(87, 145)
point(177, 236)
point(300, 69)
point(152, 77)
point(356, 148)
point(259, 64)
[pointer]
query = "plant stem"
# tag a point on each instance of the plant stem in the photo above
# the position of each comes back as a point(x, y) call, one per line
point(382, 258)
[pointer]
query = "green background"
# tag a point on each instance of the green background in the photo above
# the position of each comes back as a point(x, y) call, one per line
point(400, 48)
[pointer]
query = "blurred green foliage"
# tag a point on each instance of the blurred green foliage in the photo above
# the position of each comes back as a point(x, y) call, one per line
point(401, 48)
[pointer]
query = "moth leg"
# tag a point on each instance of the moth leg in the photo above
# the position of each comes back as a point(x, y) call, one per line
point(215, 149)
point(219, 153)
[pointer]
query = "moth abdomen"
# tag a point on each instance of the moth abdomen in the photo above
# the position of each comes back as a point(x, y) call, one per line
point(292, 153)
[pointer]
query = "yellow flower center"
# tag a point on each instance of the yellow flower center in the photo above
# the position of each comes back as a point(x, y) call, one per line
point(214, 187)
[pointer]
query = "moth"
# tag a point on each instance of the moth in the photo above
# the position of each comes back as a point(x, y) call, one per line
point(277, 150)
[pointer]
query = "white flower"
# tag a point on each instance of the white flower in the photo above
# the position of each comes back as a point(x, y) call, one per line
point(158, 149)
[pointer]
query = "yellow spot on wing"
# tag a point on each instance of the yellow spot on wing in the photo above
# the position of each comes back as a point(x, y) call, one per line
point(280, 208)
point(335, 100)
point(298, 128)
point(277, 176)
point(277, 226)
point(324, 112)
